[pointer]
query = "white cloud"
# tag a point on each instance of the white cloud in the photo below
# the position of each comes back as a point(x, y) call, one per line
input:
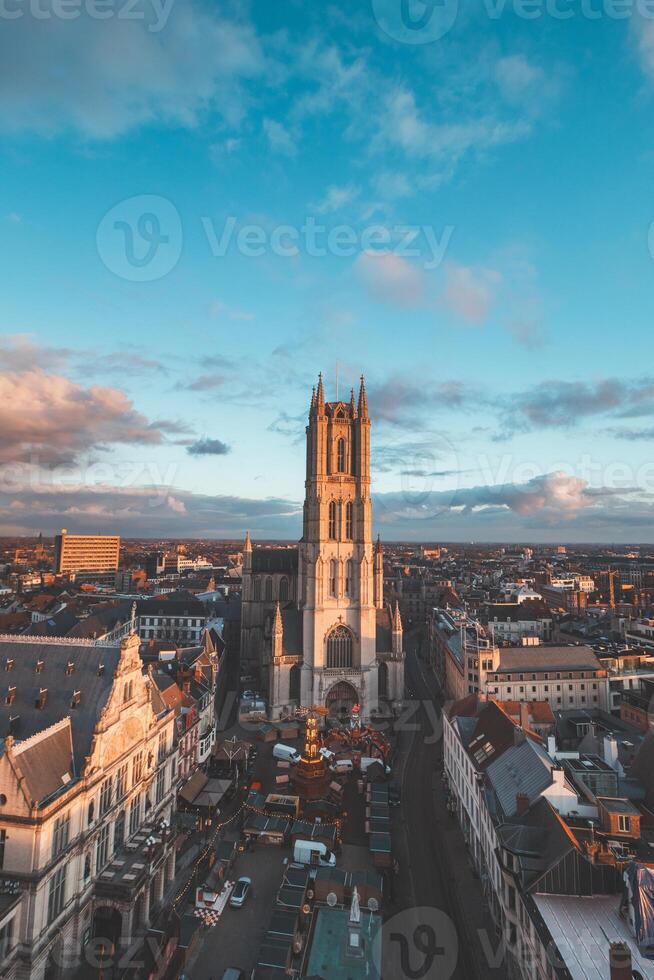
point(336, 198)
point(52, 420)
point(279, 137)
point(100, 78)
point(390, 278)
point(469, 292)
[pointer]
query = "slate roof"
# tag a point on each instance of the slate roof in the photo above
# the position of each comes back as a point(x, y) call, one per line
point(292, 624)
point(546, 658)
point(275, 560)
point(170, 607)
point(94, 688)
point(524, 769)
point(46, 762)
point(383, 637)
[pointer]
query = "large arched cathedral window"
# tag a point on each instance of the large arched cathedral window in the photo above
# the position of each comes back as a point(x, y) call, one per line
point(339, 647)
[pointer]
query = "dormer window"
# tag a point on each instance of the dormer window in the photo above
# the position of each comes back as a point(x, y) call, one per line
point(76, 698)
point(42, 699)
point(70, 667)
point(9, 663)
point(11, 694)
point(40, 664)
point(100, 670)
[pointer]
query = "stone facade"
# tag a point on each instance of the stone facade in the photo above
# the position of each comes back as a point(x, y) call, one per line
point(86, 803)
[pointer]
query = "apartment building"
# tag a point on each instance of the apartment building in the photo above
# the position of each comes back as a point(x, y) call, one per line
point(87, 795)
point(86, 553)
point(543, 847)
point(565, 676)
point(180, 620)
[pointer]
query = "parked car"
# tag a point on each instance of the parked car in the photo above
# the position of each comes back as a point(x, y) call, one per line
point(313, 852)
point(327, 754)
point(248, 695)
point(240, 892)
point(394, 794)
point(286, 753)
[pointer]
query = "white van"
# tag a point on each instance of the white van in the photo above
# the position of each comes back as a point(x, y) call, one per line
point(368, 761)
point(342, 765)
point(313, 852)
point(286, 753)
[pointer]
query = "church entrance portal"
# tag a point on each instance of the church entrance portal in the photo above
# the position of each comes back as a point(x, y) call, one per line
point(341, 699)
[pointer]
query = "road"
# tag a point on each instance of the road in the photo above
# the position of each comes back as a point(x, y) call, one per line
point(429, 878)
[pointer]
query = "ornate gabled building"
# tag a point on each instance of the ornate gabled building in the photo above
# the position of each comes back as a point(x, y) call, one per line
point(88, 779)
point(314, 620)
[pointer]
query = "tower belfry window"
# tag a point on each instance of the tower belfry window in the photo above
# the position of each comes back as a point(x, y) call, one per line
point(333, 572)
point(332, 520)
point(340, 456)
point(348, 520)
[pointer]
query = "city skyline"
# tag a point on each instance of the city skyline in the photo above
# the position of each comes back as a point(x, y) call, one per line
point(471, 246)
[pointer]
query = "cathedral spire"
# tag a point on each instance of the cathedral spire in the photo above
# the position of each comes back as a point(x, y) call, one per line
point(248, 544)
point(277, 625)
point(363, 400)
point(353, 406)
point(312, 407)
point(320, 396)
point(378, 545)
point(397, 619)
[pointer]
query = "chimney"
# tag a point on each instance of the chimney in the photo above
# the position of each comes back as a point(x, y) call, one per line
point(521, 804)
point(551, 746)
point(524, 715)
point(620, 961)
point(611, 751)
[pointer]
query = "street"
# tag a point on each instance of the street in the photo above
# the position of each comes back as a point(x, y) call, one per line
point(434, 872)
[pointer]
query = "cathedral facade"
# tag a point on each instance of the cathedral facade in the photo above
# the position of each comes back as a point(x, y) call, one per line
point(315, 630)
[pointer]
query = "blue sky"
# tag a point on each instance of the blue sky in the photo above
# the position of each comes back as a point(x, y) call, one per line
point(488, 195)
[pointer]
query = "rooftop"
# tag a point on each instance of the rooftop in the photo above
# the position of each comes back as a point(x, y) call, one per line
point(583, 929)
point(328, 956)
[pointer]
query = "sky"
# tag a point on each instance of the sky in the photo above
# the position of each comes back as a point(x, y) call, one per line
point(203, 205)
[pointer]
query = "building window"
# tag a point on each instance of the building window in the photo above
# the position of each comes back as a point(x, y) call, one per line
point(348, 577)
point(283, 589)
point(60, 834)
point(87, 867)
point(257, 590)
point(119, 830)
point(102, 849)
point(349, 509)
point(160, 785)
point(269, 591)
point(161, 749)
point(135, 815)
point(3, 844)
point(106, 795)
point(624, 824)
point(57, 893)
point(340, 456)
point(127, 691)
point(121, 782)
point(137, 768)
point(339, 648)
point(332, 520)
point(333, 577)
